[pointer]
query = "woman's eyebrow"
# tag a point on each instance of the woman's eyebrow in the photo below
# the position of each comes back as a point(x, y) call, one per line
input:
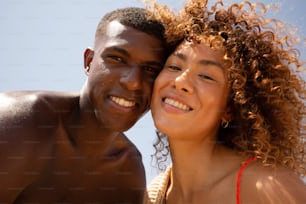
point(201, 62)
point(180, 55)
point(210, 62)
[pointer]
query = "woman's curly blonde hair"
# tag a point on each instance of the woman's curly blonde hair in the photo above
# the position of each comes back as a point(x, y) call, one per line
point(267, 96)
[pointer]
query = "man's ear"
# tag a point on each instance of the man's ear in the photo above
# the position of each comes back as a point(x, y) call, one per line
point(88, 56)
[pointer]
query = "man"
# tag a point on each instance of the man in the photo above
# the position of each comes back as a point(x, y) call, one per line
point(70, 147)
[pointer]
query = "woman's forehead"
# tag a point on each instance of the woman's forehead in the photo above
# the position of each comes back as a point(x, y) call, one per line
point(198, 48)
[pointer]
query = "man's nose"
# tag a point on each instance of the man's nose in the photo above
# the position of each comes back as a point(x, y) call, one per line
point(132, 78)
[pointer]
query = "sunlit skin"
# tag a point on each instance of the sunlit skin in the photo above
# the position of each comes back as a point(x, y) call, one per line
point(122, 68)
point(69, 147)
point(191, 88)
point(189, 101)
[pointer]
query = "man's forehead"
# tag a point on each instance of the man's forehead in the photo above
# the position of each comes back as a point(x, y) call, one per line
point(115, 28)
point(113, 35)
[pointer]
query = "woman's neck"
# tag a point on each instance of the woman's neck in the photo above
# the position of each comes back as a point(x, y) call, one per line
point(197, 167)
point(191, 161)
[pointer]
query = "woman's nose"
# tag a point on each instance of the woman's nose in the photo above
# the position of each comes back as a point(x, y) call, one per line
point(183, 82)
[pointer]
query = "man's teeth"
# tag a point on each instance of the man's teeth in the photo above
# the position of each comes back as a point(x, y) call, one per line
point(177, 104)
point(122, 102)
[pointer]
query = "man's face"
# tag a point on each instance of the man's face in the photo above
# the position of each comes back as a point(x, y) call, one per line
point(124, 66)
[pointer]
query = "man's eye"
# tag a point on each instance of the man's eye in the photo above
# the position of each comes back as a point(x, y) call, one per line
point(116, 58)
point(152, 70)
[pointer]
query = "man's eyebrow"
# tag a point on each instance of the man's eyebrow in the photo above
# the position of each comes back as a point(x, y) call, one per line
point(201, 62)
point(126, 53)
point(118, 49)
point(155, 63)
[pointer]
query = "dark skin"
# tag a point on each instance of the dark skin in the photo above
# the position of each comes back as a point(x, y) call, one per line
point(69, 147)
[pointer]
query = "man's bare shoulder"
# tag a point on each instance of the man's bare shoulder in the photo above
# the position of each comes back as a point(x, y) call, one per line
point(28, 111)
point(271, 185)
point(31, 103)
point(123, 143)
point(28, 125)
point(132, 167)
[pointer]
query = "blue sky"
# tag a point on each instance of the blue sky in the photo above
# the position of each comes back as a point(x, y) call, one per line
point(42, 44)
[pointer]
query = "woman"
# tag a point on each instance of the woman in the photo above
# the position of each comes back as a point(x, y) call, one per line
point(231, 104)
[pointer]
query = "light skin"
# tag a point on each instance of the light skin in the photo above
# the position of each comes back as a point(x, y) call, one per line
point(69, 147)
point(189, 101)
point(200, 89)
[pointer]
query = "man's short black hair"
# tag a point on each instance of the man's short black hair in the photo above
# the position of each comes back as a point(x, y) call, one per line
point(134, 17)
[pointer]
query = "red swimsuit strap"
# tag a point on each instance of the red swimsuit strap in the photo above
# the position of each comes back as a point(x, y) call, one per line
point(238, 184)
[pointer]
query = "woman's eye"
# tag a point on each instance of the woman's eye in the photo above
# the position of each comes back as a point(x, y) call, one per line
point(173, 67)
point(206, 77)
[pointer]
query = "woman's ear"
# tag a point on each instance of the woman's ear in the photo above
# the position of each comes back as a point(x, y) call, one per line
point(226, 118)
point(88, 56)
point(227, 115)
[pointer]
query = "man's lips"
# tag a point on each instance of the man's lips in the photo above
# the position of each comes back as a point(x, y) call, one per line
point(177, 104)
point(123, 102)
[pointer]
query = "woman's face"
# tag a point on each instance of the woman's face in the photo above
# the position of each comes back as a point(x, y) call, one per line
point(190, 94)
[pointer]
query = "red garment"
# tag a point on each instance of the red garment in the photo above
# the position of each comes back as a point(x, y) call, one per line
point(238, 184)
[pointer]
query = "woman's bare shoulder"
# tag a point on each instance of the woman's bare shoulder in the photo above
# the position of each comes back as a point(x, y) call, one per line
point(271, 185)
